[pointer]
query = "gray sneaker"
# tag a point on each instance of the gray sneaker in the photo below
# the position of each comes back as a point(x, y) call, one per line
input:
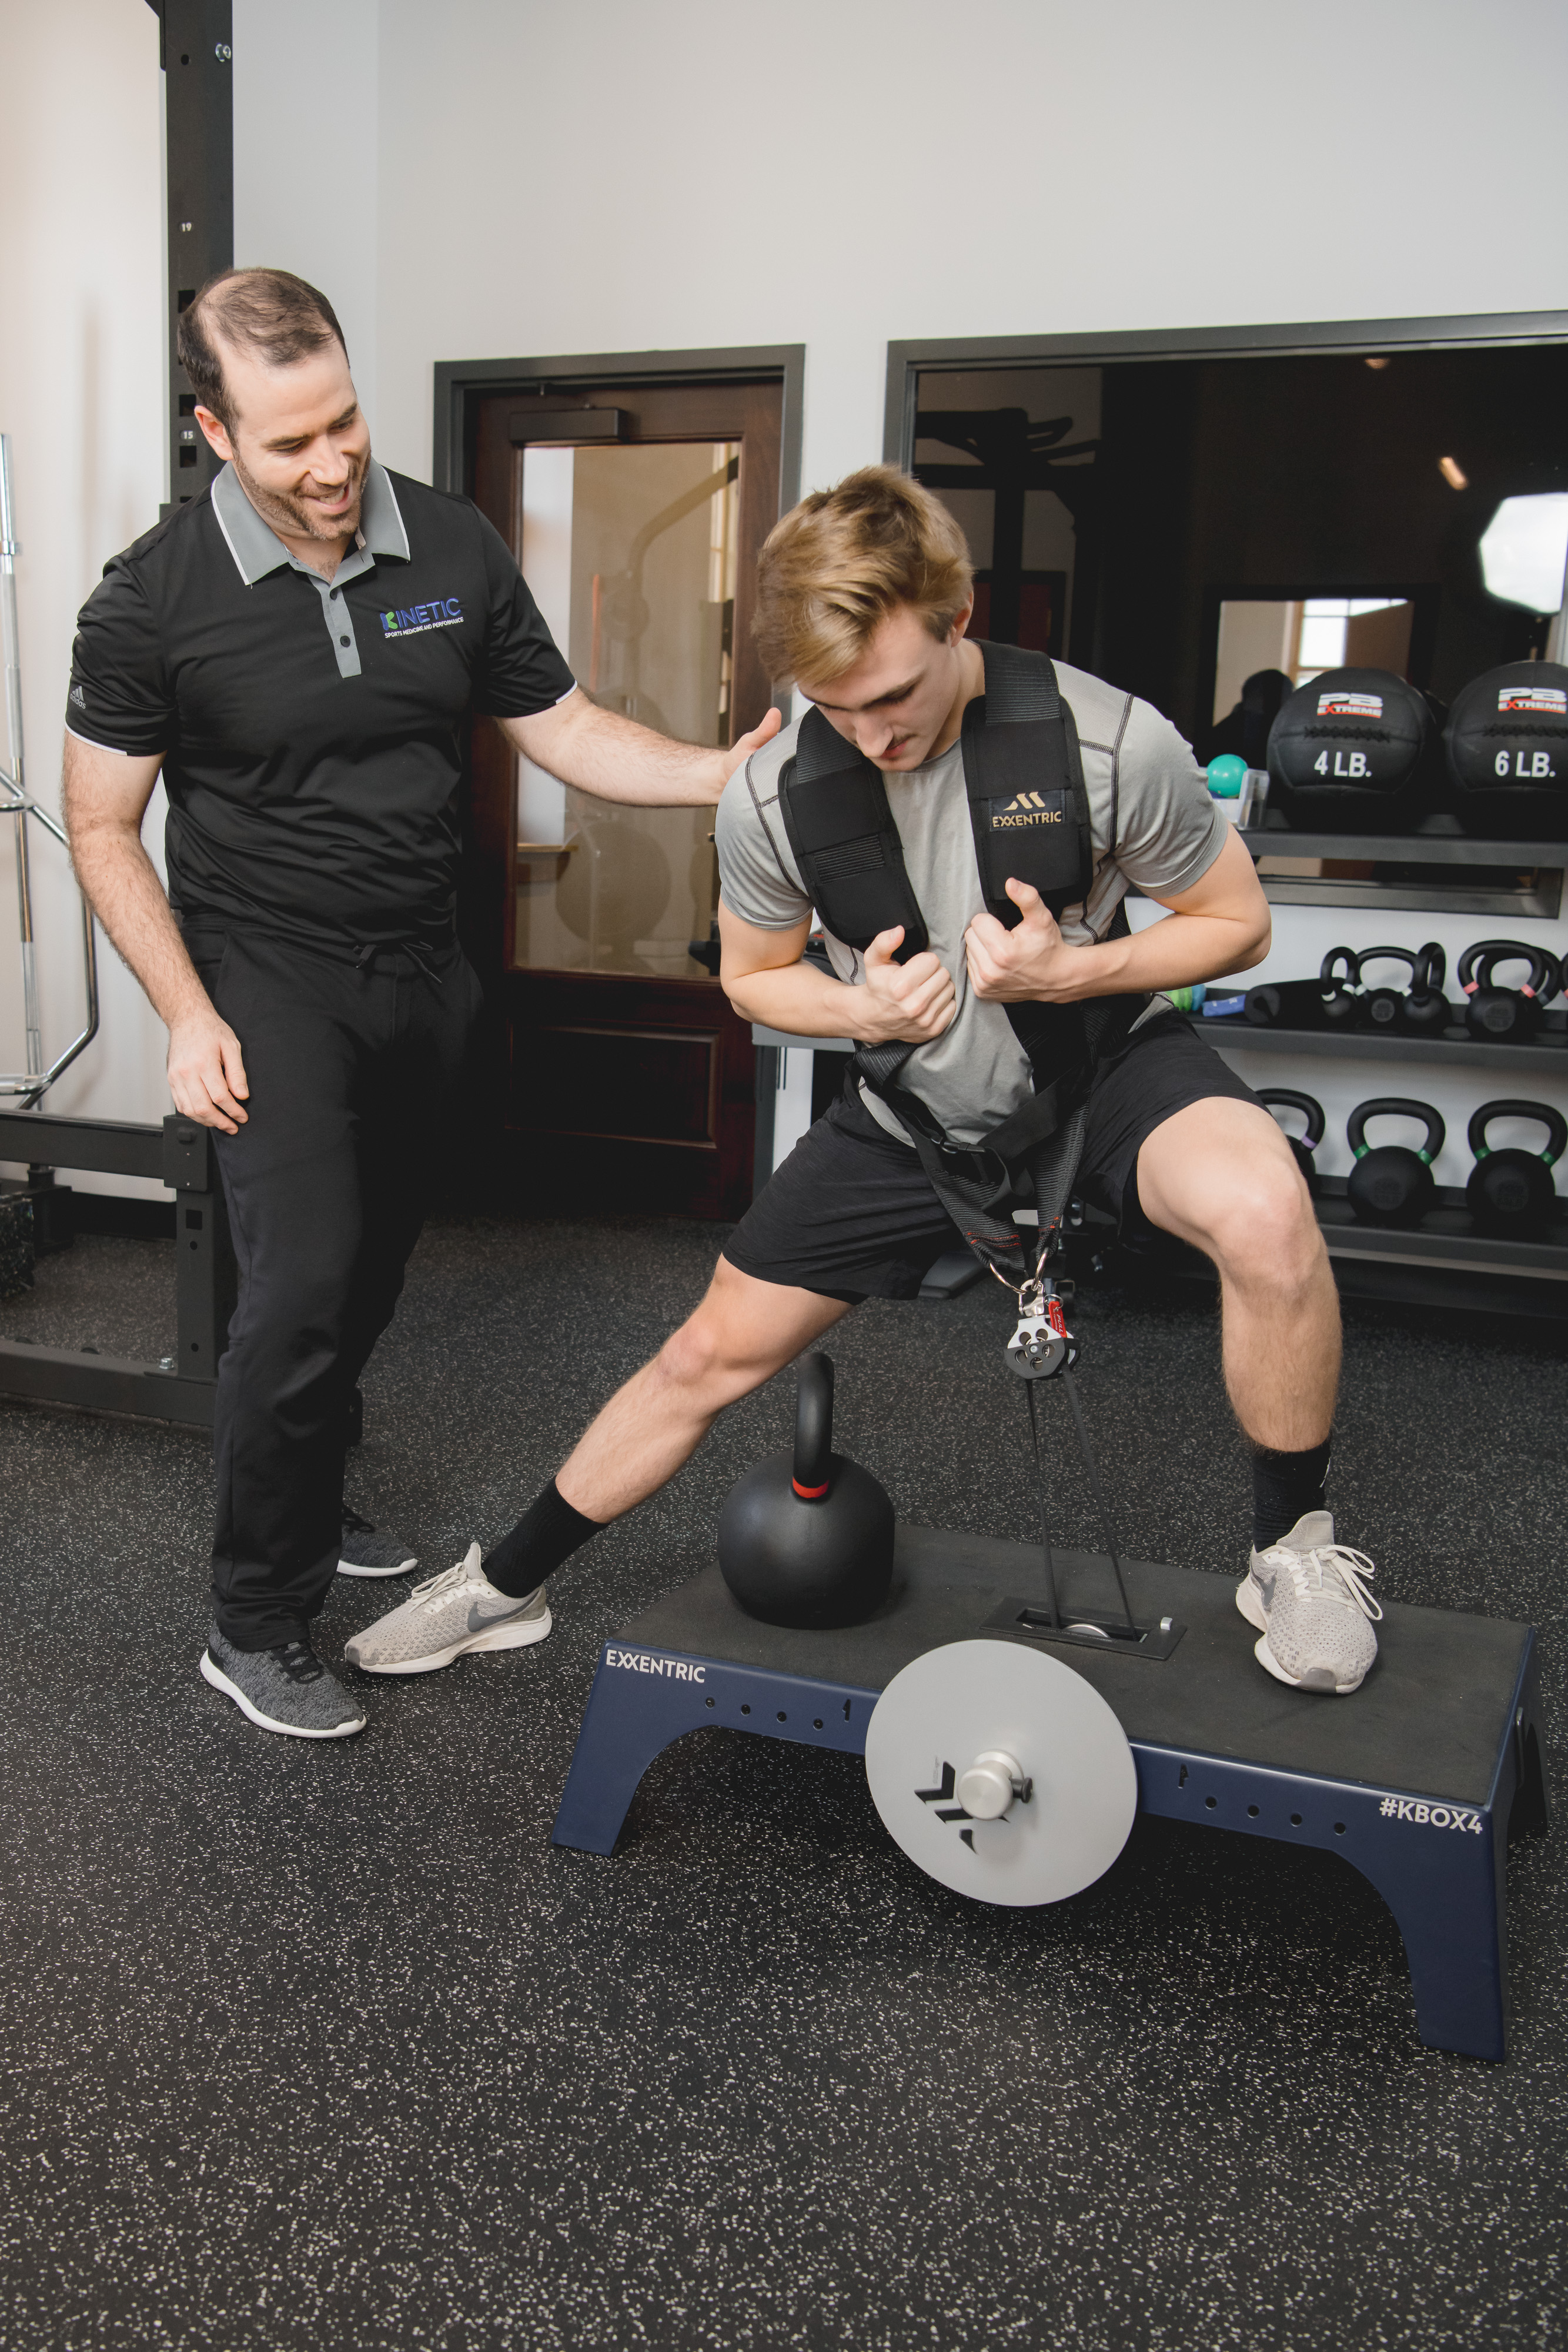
point(284, 1689)
point(364, 1552)
point(1307, 1596)
point(458, 1610)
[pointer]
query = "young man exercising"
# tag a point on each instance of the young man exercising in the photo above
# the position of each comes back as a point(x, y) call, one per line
point(864, 594)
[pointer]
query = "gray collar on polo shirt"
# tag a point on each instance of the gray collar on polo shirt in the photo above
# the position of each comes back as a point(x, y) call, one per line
point(257, 550)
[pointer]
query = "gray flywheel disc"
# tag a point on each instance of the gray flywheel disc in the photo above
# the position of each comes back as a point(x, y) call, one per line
point(1001, 1773)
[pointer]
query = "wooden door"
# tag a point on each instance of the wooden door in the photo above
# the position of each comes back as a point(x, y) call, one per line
point(619, 1077)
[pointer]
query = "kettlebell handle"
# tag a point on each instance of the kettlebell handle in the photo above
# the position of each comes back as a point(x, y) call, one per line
point(1431, 968)
point(1310, 1109)
point(814, 1429)
point(1476, 965)
point(1554, 1123)
point(1406, 956)
point(1398, 1106)
point(1328, 977)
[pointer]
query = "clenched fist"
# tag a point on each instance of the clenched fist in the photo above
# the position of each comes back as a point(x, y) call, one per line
point(916, 1000)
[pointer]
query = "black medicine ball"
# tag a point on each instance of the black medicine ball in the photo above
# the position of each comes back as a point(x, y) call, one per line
point(1507, 752)
point(1353, 750)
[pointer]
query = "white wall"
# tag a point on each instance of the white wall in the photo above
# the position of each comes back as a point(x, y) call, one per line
point(499, 177)
point(305, 155)
point(619, 176)
point(81, 395)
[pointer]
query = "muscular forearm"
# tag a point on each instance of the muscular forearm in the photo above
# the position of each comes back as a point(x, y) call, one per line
point(800, 999)
point(613, 758)
point(122, 886)
point(1173, 953)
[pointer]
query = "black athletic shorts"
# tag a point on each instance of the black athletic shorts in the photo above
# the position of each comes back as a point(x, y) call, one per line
point(851, 1214)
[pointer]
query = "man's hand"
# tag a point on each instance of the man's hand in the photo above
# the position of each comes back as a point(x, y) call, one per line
point(1025, 965)
point(915, 1000)
point(738, 753)
point(207, 1071)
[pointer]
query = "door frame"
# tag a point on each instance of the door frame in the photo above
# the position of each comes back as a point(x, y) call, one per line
point(461, 384)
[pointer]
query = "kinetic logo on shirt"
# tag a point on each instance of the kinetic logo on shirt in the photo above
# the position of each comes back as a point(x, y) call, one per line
point(441, 612)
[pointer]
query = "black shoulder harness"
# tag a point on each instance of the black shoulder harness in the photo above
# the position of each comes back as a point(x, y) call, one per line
point(1028, 809)
point(1027, 805)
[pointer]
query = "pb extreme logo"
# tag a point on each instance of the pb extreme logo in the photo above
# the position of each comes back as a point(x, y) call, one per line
point(442, 613)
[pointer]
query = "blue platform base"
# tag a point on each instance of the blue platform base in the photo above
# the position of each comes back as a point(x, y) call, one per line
point(1416, 1779)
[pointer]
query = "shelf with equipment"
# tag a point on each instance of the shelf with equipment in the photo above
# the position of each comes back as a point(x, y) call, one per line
point(1442, 1262)
point(1445, 1234)
point(1437, 840)
point(1438, 868)
point(1454, 1049)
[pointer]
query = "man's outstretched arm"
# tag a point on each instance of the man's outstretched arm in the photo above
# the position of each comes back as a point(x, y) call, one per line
point(106, 797)
point(600, 753)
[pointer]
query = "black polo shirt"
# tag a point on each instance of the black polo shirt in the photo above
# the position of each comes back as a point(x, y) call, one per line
point(311, 729)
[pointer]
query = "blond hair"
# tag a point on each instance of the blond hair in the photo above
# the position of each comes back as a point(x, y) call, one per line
point(833, 569)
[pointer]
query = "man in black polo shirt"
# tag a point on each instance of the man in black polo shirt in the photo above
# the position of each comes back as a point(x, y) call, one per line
point(296, 651)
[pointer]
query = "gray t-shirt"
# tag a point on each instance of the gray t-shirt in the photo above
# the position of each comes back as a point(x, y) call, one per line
point(1152, 821)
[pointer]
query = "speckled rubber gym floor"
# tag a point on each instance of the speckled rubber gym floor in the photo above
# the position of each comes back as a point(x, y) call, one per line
point(308, 2045)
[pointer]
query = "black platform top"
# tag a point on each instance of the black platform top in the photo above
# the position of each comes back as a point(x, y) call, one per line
point(1431, 1717)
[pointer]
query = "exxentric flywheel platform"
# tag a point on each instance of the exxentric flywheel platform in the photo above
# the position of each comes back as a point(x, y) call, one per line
point(1007, 1756)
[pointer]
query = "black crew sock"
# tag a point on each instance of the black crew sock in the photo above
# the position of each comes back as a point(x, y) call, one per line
point(1285, 1486)
point(548, 1532)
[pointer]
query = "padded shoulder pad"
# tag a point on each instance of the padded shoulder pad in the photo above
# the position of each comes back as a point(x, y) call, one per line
point(1021, 686)
point(820, 750)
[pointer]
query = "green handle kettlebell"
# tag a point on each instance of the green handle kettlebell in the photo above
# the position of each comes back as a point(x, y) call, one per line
point(1512, 1192)
point(1393, 1185)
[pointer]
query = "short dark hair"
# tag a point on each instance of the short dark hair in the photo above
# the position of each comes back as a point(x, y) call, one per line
point(269, 312)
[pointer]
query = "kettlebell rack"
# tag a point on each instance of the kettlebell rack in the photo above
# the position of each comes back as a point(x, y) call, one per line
point(1452, 1049)
point(1442, 1260)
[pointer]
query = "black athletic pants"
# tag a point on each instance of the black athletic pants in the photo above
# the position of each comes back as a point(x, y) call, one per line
point(353, 1074)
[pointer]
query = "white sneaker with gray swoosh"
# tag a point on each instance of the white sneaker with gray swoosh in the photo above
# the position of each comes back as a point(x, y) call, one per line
point(1307, 1596)
point(447, 1617)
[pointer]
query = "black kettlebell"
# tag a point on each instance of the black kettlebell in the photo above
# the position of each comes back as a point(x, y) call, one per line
point(1383, 1007)
point(1340, 998)
point(1512, 1192)
point(806, 1538)
point(1393, 1185)
point(1426, 1010)
point(1506, 1016)
point(1303, 1146)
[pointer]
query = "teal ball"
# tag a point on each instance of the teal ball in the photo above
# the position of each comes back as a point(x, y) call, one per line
point(1226, 776)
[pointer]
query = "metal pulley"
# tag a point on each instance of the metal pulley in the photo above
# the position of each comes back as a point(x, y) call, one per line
point(1001, 1773)
point(1042, 1344)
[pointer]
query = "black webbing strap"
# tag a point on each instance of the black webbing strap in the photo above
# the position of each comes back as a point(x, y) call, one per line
point(1023, 773)
point(836, 815)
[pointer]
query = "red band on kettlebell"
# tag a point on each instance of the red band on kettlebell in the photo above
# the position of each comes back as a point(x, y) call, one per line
point(808, 1494)
point(1471, 986)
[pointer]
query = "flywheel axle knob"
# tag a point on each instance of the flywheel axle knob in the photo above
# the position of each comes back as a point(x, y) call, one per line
point(1001, 1773)
point(991, 1784)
